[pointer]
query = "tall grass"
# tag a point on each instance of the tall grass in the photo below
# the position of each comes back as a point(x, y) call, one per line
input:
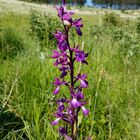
point(113, 74)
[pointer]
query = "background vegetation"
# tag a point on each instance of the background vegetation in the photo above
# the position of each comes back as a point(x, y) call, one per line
point(81, 2)
point(120, 2)
point(27, 73)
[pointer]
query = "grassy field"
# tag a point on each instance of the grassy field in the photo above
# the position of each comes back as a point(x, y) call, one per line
point(27, 73)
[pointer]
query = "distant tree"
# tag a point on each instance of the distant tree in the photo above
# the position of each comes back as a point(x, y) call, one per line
point(80, 2)
point(120, 2)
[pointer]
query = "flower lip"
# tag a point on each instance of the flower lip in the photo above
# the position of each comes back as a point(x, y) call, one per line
point(80, 55)
point(67, 109)
point(84, 83)
point(56, 91)
point(80, 95)
point(78, 22)
point(55, 122)
point(57, 82)
point(85, 111)
point(75, 103)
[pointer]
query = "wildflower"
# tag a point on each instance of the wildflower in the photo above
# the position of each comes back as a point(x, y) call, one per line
point(78, 24)
point(65, 57)
point(83, 81)
point(62, 131)
point(55, 122)
point(75, 103)
point(58, 83)
point(81, 56)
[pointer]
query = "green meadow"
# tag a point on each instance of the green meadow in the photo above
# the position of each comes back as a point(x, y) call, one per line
point(27, 73)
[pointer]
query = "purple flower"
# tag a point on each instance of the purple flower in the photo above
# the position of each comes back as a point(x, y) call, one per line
point(67, 17)
point(78, 24)
point(68, 137)
point(61, 115)
point(65, 56)
point(68, 21)
point(60, 107)
point(62, 131)
point(64, 70)
point(80, 95)
point(58, 83)
point(63, 46)
point(57, 54)
point(85, 111)
point(62, 60)
point(60, 11)
point(56, 91)
point(61, 41)
point(62, 100)
point(83, 81)
point(64, 15)
point(75, 103)
point(60, 36)
point(81, 56)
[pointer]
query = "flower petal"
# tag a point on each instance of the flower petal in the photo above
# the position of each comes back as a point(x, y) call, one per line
point(84, 83)
point(80, 95)
point(79, 31)
point(75, 103)
point(85, 111)
point(63, 74)
point(55, 122)
point(68, 137)
point(56, 91)
point(62, 131)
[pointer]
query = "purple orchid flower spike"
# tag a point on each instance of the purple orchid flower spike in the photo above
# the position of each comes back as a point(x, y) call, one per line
point(65, 56)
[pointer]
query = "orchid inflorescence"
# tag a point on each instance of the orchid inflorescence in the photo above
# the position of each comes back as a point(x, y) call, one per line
point(66, 56)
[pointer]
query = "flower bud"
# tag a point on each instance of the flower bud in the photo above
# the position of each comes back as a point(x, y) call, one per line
point(67, 23)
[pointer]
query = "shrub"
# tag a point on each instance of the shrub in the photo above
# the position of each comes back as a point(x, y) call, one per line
point(129, 46)
point(111, 18)
point(43, 27)
point(10, 43)
point(97, 31)
point(138, 26)
point(128, 42)
point(118, 33)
